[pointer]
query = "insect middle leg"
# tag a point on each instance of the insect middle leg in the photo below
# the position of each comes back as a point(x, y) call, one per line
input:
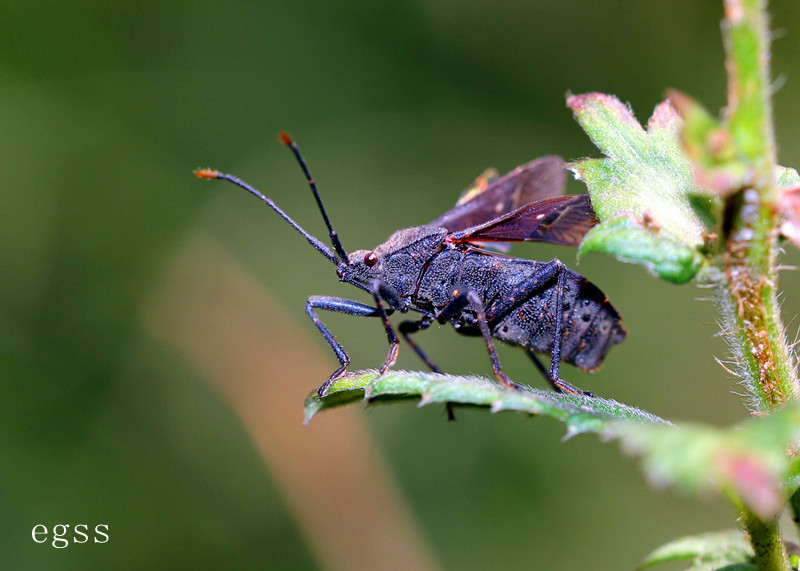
point(339, 305)
point(480, 317)
point(460, 301)
point(408, 327)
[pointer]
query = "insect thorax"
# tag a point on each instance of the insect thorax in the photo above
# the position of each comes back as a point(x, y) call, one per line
point(400, 260)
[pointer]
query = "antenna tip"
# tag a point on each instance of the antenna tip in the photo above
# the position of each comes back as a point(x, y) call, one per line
point(207, 173)
point(285, 138)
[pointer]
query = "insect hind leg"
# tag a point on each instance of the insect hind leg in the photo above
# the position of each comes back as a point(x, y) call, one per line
point(558, 384)
point(541, 281)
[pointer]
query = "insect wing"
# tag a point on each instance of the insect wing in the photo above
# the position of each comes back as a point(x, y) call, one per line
point(487, 199)
point(479, 185)
point(563, 220)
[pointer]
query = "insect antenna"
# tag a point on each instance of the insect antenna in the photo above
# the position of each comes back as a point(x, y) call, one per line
point(319, 246)
point(337, 245)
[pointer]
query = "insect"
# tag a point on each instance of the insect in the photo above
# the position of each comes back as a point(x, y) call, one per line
point(444, 272)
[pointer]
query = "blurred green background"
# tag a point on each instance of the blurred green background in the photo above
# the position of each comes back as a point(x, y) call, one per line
point(153, 343)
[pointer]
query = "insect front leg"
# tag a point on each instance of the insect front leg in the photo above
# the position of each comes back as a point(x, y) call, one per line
point(338, 305)
point(380, 291)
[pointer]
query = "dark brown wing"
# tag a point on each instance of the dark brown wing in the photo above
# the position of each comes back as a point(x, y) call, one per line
point(489, 198)
point(563, 220)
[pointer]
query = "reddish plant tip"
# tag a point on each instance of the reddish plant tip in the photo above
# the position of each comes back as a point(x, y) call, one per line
point(285, 138)
point(206, 173)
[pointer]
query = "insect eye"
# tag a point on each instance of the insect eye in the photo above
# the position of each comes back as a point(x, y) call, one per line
point(370, 259)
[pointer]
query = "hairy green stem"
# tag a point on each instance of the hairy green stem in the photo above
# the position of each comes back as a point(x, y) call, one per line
point(794, 504)
point(748, 296)
point(753, 309)
point(767, 543)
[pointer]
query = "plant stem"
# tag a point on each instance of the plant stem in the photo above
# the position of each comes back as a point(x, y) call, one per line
point(767, 543)
point(748, 294)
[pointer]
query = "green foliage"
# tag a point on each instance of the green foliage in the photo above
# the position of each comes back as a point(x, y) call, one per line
point(749, 460)
point(579, 413)
point(651, 211)
point(711, 148)
point(633, 242)
point(727, 550)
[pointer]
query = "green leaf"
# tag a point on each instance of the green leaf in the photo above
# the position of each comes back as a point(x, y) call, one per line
point(719, 167)
point(658, 191)
point(789, 203)
point(647, 179)
point(632, 242)
point(710, 146)
point(787, 178)
point(579, 413)
point(706, 552)
point(748, 460)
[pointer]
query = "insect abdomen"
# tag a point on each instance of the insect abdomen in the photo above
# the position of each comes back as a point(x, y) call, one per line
point(589, 328)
